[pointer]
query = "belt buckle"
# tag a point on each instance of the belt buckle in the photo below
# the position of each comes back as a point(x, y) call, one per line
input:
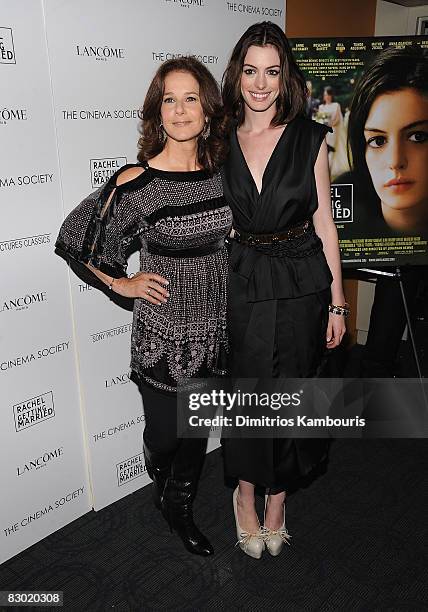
point(250, 239)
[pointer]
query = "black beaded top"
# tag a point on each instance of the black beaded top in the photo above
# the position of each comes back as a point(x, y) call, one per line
point(163, 211)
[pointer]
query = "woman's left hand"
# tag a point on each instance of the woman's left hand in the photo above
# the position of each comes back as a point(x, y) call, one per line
point(336, 329)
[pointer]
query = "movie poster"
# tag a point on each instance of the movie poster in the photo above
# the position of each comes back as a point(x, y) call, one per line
point(373, 92)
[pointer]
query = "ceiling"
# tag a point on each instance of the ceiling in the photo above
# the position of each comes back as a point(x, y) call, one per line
point(410, 2)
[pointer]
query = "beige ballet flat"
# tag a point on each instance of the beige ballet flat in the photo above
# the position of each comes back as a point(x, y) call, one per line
point(252, 544)
point(275, 538)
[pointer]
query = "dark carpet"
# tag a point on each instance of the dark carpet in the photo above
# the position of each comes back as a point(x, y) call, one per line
point(359, 543)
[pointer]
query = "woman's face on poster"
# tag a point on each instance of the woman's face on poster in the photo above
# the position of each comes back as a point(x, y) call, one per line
point(327, 97)
point(396, 135)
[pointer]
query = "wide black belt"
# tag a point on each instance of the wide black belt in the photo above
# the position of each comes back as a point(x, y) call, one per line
point(199, 251)
point(256, 239)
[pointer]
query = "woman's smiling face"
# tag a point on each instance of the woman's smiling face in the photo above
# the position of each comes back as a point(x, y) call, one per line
point(260, 77)
point(396, 135)
point(181, 110)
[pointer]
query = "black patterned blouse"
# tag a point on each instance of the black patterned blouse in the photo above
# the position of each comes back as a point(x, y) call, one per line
point(180, 220)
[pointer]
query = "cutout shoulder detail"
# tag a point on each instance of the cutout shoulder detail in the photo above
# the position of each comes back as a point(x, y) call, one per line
point(129, 175)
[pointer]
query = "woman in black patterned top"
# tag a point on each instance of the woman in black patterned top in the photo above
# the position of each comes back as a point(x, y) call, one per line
point(172, 202)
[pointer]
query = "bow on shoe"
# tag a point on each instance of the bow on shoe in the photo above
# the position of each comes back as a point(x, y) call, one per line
point(282, 533)
point(245, 538)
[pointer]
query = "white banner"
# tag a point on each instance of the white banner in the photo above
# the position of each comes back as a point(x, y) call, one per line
point(77, 100)
point(43, 479)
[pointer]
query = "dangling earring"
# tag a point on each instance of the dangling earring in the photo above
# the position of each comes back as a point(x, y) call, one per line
point(207, 129)
point(161, 133)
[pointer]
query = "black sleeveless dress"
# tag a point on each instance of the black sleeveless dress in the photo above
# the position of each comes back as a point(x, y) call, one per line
point(278, 295)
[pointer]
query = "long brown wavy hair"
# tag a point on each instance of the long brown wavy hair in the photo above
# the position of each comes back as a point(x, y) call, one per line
point(212, 151)
point(293, 91)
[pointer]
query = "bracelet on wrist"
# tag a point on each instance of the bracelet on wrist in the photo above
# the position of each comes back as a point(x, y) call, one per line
point(339, 310)
point(110, 285)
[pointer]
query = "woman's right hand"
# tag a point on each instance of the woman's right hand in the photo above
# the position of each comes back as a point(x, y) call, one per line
point(145, 285)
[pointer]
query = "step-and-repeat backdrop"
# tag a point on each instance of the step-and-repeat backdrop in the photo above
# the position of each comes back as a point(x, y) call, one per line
point(72, 77)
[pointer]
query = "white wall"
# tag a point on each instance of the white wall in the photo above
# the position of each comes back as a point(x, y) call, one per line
point(65, 347)
point(44, 477)
point(394, 19)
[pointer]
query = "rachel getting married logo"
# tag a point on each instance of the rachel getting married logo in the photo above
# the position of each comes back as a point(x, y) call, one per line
point(342, 202)
point(35, 410)
point(7, 49)
point(129, 469)
point(102, 169)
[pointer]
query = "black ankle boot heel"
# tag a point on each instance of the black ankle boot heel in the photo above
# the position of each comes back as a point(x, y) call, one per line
point(177, 510)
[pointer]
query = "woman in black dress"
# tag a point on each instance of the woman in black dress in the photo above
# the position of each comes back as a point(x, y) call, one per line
point(284, 263)
point(172, 205)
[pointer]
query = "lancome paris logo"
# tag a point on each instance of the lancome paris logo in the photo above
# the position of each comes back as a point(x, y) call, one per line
point(12, 114)
point(129, 469)
point(36, 463)
point(122, 379)
point(7, 49)
point(23, 302)
point(34, 410)
point(102, 169)
point(101, 53)
point(186, 3)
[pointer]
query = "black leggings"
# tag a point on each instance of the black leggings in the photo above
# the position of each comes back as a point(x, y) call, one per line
point(160, 435)
point(160, 410)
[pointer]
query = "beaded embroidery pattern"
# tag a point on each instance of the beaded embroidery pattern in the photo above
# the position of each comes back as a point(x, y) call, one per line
point(186, 337)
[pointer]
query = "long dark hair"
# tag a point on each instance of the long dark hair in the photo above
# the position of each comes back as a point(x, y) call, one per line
point(329, 91)
point(393, 70)
point(212, 151)
point(293, 91)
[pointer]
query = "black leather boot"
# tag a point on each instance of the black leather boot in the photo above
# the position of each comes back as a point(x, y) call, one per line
point(179, 493)
point(158, 467)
